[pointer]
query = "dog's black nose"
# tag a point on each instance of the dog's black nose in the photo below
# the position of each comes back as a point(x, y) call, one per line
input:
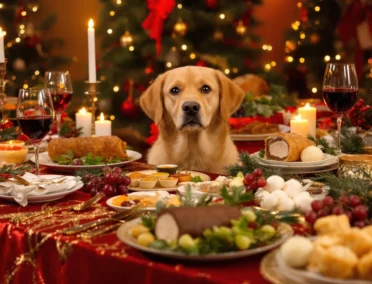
point(191, 108)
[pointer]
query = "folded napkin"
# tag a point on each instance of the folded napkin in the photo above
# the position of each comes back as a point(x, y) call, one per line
point(38, 186)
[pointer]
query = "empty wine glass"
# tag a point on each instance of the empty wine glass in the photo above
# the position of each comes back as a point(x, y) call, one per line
point(35, 116)
point(340, 91)
point(60, 86)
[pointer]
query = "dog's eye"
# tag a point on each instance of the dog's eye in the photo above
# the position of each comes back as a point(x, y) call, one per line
point(205, 89)
point(175, 91)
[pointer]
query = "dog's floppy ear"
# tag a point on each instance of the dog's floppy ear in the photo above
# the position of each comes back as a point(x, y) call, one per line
point(151, 100)
point(231, 96)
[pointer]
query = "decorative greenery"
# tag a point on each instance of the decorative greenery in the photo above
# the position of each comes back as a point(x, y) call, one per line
point(9, 134)
point(7, 171)
point(196, 179)
point(68, 159)
point(323, 145)
point(236, 196)
point(69, 130)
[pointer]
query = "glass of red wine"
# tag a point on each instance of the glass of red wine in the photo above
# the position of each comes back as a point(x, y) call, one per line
point(60, 87)
point(340, 91)
point(35, 116)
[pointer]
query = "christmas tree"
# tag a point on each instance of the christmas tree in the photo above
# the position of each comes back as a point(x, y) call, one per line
point(310, 44)
point(141, 39)
point(28, 46)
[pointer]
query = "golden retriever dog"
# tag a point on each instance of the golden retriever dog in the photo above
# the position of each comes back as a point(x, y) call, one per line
point(191, 106)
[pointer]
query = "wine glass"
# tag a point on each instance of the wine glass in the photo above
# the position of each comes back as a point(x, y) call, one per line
point(35, 116)
point(60, 86)
point(340, 91)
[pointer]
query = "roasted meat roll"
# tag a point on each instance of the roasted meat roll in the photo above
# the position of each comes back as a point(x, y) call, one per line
point(108, 147)
point(286, 147)
point(171, 223)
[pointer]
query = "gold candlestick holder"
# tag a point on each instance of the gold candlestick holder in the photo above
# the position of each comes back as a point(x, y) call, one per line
point(2, 89)
point(93, 92)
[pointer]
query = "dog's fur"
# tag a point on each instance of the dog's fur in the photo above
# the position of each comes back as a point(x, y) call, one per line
point(201, 142)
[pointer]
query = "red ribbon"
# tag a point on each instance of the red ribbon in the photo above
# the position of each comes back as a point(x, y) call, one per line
point(159, 11)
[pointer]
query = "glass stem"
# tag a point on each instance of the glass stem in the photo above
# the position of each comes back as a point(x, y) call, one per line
point(58, 117)
point(36, 149)
point(339, 124)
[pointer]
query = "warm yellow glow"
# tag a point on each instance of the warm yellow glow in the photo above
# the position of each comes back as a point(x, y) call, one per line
point(101, 117)
point(184, 47)
point(289, 59)
point(317, 8)
point(269, 48)
point(235, 70)
point(14, 77)
point(313, 90)
point(192, 55)
point(302, 35)
point(112, 13)
point(298, 117)
point(299, 4)
point(264, 47)
point(273, 63)
point(95, 99)
point(302, 60)
point(169, 65)
point(118, 2)
point(267, 66)
point(222, 16)
point(22, 32)
point(91, 24)
point(112, 117)
point(33, 77)
point(24, 13)
point(83, 111)
point(109, 31)
point(317, 22)
point(338, 57)
point(25, 86)
point(227, 71)
point(37, 72)
point(116, 89)
point(1, 31)
point(9, 44)
point(1, 6)
point(35, 8)
point(179, 6)
point(294, 26)
point(21, 27)
point(131, 48)
point(327, 58)
point(17, 39)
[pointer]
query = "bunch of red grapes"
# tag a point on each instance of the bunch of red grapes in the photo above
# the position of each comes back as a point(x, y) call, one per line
point(111, 183)
point(351, 206)
point(254, 180)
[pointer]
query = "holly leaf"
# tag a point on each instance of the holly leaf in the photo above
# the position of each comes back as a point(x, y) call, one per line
point(262, 153)
point(65, 159)
point(92, 160)
point(196, 179)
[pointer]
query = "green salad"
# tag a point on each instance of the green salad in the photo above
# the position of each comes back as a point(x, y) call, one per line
point(90, 159)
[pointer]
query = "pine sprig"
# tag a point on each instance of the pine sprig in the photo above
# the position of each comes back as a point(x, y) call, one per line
point(351, 143)
point(236, 196)
point(15, 170)
point(324, 145)
point(267, 217)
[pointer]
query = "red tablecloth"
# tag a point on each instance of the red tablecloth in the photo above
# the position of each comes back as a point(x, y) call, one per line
point(37, 253)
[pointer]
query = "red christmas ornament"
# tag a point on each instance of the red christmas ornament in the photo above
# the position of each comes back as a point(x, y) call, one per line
point(303, 15)
point(211, 4)
point(201, 63)
point(5, 124)
point(128, 107)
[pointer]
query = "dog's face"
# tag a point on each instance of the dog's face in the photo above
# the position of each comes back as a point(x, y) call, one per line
point(191, 96)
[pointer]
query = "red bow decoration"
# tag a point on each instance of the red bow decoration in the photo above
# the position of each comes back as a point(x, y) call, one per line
point(159, 11)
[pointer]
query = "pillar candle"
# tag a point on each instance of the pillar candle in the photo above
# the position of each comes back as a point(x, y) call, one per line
point(84, 120)
point(103, 127)
point(91, 52)
point(309, 113)
point(300, 126)
point(2, 53)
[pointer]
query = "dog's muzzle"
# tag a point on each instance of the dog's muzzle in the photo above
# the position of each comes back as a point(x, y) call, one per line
point(191, 114)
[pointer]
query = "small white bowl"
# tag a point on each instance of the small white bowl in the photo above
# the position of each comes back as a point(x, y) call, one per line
point(147, 184)
point(134, 182)
point(168, 182)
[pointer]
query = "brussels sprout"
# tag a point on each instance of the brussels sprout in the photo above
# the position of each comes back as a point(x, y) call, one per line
point(145, 239)
point(242, 242)
point(268, 229)
point(207, 233)
point(186, 241)
point(249, 215)
point(139, 229)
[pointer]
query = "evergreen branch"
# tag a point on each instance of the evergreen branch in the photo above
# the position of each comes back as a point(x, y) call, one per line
point(351, 142)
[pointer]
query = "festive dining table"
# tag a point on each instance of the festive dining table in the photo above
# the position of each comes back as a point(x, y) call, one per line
point(36, 251)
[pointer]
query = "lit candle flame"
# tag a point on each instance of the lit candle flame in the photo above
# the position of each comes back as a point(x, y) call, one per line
point(101, 117)
point(11, 142)
point(91, 24)
point(307, 105)
point(83, 110)
point(298, 117)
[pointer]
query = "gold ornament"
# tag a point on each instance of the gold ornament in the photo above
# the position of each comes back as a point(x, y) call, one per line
point(314, 38)
point(180, 27)
point(241, 29)
point(218, 35)
point(126, 39)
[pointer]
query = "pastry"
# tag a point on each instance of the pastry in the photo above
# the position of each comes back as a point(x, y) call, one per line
point(368, 230)
point(286, 147)
point(365, 266)
point(174, 222)
point(108, 147)
point(332, 225)
point(357, 240)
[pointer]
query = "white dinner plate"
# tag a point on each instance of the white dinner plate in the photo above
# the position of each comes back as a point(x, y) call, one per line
point(47, 197)
point(328, 160)
point(124, 235)
point(257, 137)
point(163, 194)
point(45, 161)
point(304, 276)
point(204, 177)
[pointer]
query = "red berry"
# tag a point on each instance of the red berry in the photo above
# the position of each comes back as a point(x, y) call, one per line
point(253, 185)
point(338, 210)
point(323, 212)
point(311, 217)
point(344, 199)
point(361, 212)
point(252, 225)
point(354, 200)
point(119, 179)
point(257, 173)
point(261, 182)
point(122, 189)
point(328, 201)
point(109, 190)
point(317, 205)
point(248, 179)
point(126, 180)
point(117, 170)
point(360, 224)
point(93, 191)
point(349, 214)
point(110, 178)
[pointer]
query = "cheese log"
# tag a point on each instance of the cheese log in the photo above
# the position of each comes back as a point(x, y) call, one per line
point(107, 147)
point(286, 147)
point(171, 223)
